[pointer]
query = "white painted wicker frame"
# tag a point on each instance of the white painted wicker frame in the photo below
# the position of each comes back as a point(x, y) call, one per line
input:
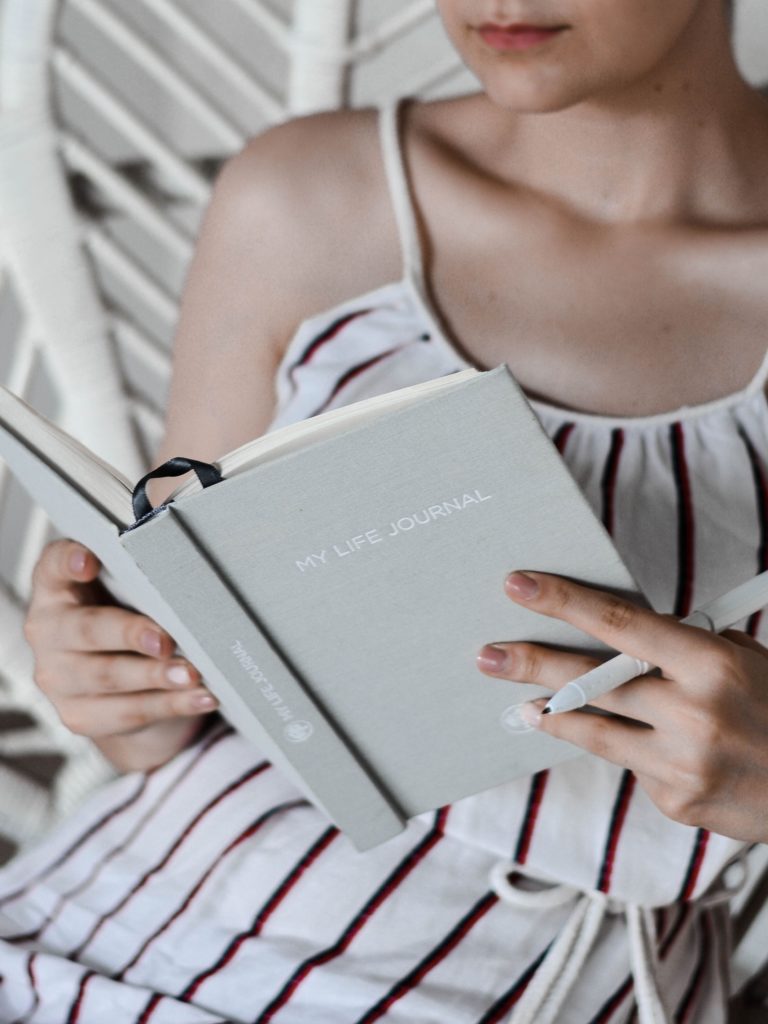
point(80, 332)
point(50, 254)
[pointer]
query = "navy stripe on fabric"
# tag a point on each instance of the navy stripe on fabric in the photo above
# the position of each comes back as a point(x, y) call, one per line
point(613, 1002)
point(683, 603)
point(100, 864)
point(685, 523)
point(560, 440)
point(665, 943)
point(329, 333)
point(390, 885)
point(139, 885)
point(431, 960)
point(610, 474)
point(687, 1003)
point(293, 877)
point(74, 1010)
point(27, 1015)
point(694, 864)
point(761, 501)
point(627, 782)
point(500, 1009)
point(539, 779)
point(252, 829)
point(684, 911)
point(618, 817)
point(351, 373)
point(230, 951)
point(533, 806)
point(75, 846)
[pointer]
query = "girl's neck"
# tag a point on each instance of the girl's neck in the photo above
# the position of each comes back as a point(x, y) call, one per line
point(687, 143)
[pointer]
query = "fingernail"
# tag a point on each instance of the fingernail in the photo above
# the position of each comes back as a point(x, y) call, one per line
point(77, 560)
point(531, 713)
point(522, 585)
point(203, 702)
point(492, 658)
point(179, 675)
point(151, 641)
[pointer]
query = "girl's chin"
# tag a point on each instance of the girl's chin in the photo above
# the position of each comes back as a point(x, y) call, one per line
point(528, 97)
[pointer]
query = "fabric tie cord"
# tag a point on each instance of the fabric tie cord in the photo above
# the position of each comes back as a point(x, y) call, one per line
point(555, 976)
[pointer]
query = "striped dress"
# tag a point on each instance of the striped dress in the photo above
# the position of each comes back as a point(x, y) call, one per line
point(210, 890)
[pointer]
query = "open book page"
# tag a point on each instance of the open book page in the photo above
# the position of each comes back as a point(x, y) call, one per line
point(327, 424)
point(91, 476)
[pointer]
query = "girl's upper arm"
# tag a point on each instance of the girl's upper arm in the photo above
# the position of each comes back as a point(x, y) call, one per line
point(292, 198)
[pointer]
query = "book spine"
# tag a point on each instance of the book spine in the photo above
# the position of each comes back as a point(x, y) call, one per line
point(258, 691)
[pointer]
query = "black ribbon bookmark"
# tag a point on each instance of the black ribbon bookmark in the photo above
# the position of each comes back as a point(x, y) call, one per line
point(207, 474)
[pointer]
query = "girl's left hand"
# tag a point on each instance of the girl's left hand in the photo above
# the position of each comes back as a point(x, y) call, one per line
point(696, 737)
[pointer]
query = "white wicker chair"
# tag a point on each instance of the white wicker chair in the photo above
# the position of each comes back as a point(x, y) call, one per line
point(114, 116)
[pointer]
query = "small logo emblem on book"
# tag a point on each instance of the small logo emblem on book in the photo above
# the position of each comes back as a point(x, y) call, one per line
point(511, 720)
point(299, 731)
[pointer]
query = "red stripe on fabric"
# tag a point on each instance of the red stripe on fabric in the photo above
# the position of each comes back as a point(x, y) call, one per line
point(227, 791)
point(64, 897)
point(62, 858)
point(74, 1010)
point(666, 942)
point(683, 1011)
point(332, 331)
point(252, 829)
point(535, 797)
point(694, 864)
point(611, 1005)
point(618, 817)
point(560, 439)
point(149, 1009)
point(352, 372)
point(292, 878)
point(685, 530)
point(669, 939)
point(439, 953)
point(500, 1009)
point(610, 473)
point(364, 915)
point(33, 988)
point(272, 903)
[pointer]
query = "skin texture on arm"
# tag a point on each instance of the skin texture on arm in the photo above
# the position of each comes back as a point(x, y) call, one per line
point(261, 265)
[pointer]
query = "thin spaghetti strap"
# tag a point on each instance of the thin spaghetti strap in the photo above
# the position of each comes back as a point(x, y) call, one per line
point(400, 191)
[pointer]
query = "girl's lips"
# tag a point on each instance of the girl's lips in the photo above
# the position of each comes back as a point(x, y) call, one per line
point(516, 37)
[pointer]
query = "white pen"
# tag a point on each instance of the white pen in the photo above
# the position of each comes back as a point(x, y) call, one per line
point(714, 616)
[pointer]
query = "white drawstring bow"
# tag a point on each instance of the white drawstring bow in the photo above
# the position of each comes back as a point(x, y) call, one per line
point(556, 974)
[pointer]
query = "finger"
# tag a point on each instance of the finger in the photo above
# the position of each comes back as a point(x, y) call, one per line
point(107, 628)
point(116, 715)
point(645, 698)
point(627, 744)
point(62, 564)
point(525, 662)
point(742, 639)
point(91, 675)
point(658, 639)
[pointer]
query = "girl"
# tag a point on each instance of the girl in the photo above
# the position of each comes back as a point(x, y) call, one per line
point(595, 217)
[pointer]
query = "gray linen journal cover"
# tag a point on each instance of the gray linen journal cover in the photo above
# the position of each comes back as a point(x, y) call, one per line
point(335, 598)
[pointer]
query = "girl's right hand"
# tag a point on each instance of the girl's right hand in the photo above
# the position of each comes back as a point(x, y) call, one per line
point(109, 672)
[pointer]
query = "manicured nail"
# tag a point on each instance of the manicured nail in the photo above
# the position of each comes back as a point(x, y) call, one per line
point(204, 702)
point(179, 675)
point(77, 560)
point(531, 713)
point(522, 585)
point(492, 658)
point(151, 641)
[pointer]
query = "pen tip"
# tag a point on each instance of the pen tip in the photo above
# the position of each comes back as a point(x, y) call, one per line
point(545, 711)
